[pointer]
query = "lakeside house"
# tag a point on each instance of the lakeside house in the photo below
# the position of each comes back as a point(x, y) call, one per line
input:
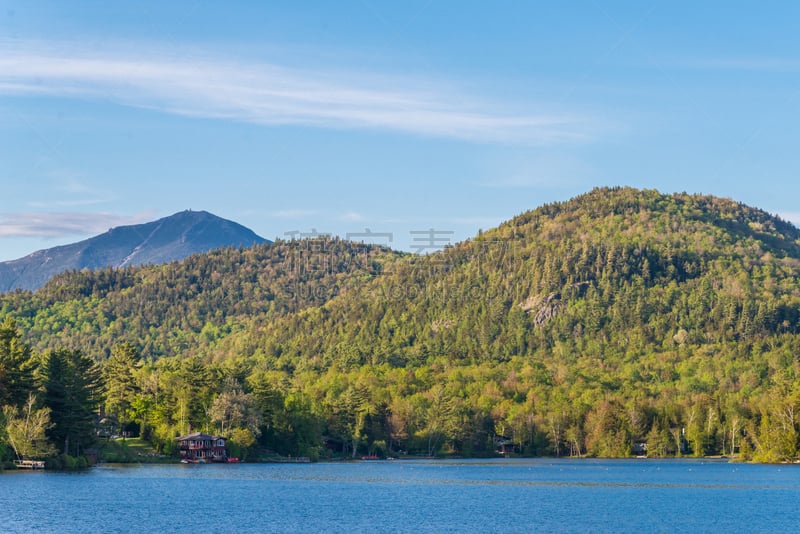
point(200, 447)
point(505, 445)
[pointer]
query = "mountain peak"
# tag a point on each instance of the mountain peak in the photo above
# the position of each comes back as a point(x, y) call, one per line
point(167, 239)
point(628, 215)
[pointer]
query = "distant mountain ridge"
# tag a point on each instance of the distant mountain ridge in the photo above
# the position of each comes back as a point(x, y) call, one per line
point(168, 239)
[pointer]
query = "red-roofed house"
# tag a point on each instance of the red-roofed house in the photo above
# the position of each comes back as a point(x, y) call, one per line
point(199, 447)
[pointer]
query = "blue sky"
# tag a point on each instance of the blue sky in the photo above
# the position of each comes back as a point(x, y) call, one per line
point(392, 116)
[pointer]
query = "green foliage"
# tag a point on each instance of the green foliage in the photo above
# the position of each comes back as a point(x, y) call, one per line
point(72, 392)
point(188, 307)
point(26, 428)
point(16, 366)
point(65, 462)
point(241, 444)
point(617, 318)
point(121, 389)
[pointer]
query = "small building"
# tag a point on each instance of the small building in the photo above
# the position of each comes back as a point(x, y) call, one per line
point(199, 447)
point(505, 445)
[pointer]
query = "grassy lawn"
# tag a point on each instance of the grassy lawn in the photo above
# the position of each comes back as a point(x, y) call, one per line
point(131, 450)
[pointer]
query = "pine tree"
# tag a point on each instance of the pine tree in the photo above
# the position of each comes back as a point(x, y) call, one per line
point(120, 382)
point(72, 385)
point(16, 366)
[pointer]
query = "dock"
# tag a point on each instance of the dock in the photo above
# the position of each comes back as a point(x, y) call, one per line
point(29, 464)
point(289, 460)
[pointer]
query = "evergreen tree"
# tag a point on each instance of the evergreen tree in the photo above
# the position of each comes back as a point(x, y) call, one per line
point(72, 384)
point(16, 366)
point(120, 381)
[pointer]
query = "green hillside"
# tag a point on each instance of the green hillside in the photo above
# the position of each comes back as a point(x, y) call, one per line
point(618, 273)
point(616, 323)
point(181, 307)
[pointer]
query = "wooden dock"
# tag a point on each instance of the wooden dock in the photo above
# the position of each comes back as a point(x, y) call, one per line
point(29, 464)
point(289, 460)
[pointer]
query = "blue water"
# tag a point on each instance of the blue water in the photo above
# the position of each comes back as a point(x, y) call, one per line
point(408, 496)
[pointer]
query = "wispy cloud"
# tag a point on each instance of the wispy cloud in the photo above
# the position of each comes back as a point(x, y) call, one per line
point(523, 181)
point(67, 189)
point(478, 221)
point(541, 172)
point(38, 204)
point(747, 64)
point(292, 213)
point(50, 225)
point(352, 216)
point(270, 94)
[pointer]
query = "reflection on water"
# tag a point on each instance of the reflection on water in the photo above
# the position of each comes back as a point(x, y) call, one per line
point(407, 496)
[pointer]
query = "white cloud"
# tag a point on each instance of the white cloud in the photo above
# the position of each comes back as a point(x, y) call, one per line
point(49, 225)
point(352, 216)
point(478, 221)
point(540, 172)
point(292, 213)
point(270, 94)
point(756, 64)
point(522, 181)
point(67, 189)
point(69, 203)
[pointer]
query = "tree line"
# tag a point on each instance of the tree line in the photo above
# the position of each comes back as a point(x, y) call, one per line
point(620, 322)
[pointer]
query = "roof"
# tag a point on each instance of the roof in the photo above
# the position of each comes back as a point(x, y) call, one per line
point(198, 435)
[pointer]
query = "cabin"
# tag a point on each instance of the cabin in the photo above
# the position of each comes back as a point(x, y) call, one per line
point(505, 445)
point(199, 447)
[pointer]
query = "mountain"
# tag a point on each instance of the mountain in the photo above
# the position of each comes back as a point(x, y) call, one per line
point(162, 241)
point(613, 273)
point(617, 322)
point(616, 271)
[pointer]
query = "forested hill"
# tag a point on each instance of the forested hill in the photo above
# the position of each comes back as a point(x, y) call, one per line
point(615, 274)
point(614, 269)
point(181, 308)
point(590, 326)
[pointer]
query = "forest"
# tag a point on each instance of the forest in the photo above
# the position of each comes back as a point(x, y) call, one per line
point(621, 322)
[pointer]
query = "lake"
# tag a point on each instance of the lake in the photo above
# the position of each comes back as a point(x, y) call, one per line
point(408, 496)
